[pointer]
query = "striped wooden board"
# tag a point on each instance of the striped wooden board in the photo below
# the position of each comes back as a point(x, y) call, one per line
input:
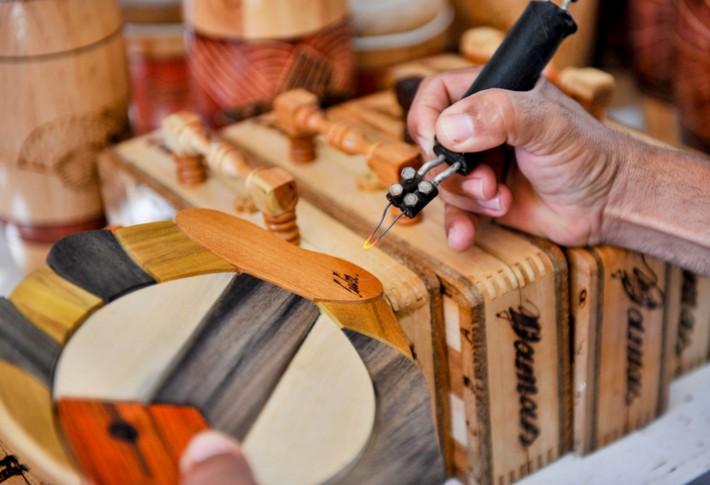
point(139, 174)
point(333, 380)
point(506, 422)
point(622, 335)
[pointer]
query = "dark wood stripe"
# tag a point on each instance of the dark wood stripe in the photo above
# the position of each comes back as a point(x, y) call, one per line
point(96, 262)
point(404, 447)
point(26, 346)
point(53, 233)
point(240, 353)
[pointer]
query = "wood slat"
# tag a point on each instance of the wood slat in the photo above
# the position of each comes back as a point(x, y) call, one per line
point(27, 423)
point(95, 261)
point(403, 448)
point(319, 278)
point(26, 346)
point(64, 305)
point(320, 416)
point(118, 443)
point(164, 252)
point(123, 350)
point(231, 368)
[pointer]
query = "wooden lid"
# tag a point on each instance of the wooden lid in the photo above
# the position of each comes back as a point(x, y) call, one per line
point(262, 19)
point(382, 17)
point(151, 11)
point(42, 27)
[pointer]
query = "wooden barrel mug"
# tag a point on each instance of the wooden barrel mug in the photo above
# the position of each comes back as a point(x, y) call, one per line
point(64, 64)
point(241, 54)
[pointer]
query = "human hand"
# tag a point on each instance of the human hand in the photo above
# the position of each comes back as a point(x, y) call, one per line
point(212, 458)
point(565, 167)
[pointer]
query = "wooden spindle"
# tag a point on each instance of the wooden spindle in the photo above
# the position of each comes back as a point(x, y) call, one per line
point(271, 191)
point(299, 116)
point(275, 194)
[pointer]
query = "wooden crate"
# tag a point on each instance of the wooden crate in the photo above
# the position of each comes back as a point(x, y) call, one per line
point(691, 342)
point(139, 177)
point(501, 429)
point(622, 329)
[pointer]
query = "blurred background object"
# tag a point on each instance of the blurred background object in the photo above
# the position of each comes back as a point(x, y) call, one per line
point(63, 64)
point(241, 54)
point(390, 32)
point(156, 60)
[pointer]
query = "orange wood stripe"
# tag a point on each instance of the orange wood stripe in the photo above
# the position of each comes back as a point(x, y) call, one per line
point(118, 443)
point(252, 250)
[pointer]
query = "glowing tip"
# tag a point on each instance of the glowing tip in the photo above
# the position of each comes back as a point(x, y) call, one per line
point(373, 238)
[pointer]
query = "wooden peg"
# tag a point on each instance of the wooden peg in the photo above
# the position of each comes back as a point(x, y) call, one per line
point(299, 116)
point(275, 194)
point(188, 140)
point(590, 87)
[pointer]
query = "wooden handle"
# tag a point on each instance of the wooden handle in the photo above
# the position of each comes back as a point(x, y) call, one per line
point(590, 87)
point(299, 116)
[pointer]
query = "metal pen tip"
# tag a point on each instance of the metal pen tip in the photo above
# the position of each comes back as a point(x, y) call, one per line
point(374, 238)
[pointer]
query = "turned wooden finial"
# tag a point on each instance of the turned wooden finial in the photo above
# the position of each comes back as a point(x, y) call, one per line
point(590, 87)
point(299, 116)
point(275, 194)
point(188, 140)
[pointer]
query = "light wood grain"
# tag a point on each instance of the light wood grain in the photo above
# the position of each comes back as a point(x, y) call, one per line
point(255, 329)
point(117, 443)
point(95, 261)
point(114, 354)
point(24, 345)
point(64, 305)
point(691, 341)
point(620, 329)
point(163, 251)
point(27, 424)
point(404, 431)
point(324, 278)
point(336, 435)
point(234, 19)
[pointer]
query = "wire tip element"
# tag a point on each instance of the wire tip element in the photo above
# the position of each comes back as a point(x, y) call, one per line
point(374, 238)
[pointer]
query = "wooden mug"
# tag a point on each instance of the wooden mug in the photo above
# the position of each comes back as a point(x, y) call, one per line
point(242, 54)
point(66, 63)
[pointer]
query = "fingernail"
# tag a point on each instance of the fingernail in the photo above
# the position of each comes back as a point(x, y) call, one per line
point(457, 127)
point(206, 445)
point(493, 203)
point(474, 187)
point(451, 237)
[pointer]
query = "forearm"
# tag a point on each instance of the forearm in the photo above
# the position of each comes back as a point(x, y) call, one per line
point(660, 205)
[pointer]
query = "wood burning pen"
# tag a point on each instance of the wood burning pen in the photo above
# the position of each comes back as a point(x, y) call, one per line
point(516, 65)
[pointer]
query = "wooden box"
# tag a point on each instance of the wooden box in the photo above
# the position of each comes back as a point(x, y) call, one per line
point(509, 398)
point(622, 336)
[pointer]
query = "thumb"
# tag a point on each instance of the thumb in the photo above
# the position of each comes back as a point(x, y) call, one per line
point(493, 117)
point(212, 458)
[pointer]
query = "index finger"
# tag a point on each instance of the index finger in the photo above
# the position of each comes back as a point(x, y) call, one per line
point(435, 94)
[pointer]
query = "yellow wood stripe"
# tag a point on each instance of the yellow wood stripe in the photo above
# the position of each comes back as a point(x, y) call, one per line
point(374, 319)
point(164, 252)
point(53, 304)
point(27, 425)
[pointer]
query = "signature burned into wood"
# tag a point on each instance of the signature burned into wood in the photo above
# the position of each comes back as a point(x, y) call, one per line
point(525, 321)
point(350, 283)
point(11, 467)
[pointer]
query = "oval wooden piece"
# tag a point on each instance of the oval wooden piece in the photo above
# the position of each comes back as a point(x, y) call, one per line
point(314, 276)
point(286, 440)
point(114, 354)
